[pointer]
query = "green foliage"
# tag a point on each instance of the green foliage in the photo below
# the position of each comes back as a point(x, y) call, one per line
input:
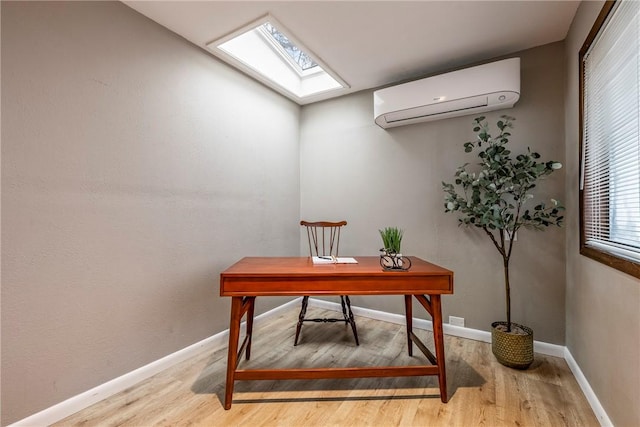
point(495, 194)
point(391, 238)
point(494, 197)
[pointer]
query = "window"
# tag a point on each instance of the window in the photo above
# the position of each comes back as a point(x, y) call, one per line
point(610, 129)
point(266, 52)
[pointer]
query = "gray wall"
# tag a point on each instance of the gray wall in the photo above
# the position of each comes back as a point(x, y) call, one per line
point(351, 169)
point(135, 167)
point(603, 320)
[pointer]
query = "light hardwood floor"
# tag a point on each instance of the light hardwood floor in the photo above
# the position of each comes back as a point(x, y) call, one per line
point(481, 391)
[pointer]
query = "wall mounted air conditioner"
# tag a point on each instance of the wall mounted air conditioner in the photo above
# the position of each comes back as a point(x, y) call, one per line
point(472, 90)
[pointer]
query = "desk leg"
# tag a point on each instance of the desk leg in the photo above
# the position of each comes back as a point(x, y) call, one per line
point(408, 310)
point(232, 356)
point(252, 303)
point(438, 339)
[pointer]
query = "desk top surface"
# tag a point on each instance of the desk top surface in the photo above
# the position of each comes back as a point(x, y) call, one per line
point(300, 276)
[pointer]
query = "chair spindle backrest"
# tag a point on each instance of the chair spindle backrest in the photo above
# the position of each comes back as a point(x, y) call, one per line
point(324, 237)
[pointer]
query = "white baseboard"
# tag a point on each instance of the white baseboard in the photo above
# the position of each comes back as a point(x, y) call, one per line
point(83, 400)
point(76, 403)
point(601, 414)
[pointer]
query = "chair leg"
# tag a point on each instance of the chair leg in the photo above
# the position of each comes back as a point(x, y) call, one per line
point(348, 315)
point(303, 312)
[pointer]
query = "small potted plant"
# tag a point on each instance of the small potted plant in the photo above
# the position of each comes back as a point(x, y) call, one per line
point(494, 197)
point(391, 256)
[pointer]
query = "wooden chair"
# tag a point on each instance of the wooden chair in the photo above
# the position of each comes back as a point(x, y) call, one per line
point(324, 240)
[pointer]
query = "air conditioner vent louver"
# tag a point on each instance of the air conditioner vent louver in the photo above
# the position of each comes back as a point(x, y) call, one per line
point(472, 90)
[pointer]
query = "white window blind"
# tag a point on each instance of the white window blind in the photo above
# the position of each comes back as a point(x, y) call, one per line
point(611, 150)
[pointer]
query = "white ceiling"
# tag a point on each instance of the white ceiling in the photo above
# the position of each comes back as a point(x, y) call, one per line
point(376, 43)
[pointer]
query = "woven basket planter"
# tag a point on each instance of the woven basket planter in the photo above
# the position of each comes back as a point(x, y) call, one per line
point(512, 350)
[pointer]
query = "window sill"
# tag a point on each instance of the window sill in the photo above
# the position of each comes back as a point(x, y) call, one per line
point(624, 265)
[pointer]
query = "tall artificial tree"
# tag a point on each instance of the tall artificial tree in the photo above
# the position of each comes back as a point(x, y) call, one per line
point(494, 194)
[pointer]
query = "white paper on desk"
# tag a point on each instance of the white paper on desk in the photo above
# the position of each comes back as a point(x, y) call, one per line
point(334, 260)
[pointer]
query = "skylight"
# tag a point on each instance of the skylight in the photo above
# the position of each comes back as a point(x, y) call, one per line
point(265, 51)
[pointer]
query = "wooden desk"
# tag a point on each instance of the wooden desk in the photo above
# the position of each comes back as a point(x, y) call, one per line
point(253, 277)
